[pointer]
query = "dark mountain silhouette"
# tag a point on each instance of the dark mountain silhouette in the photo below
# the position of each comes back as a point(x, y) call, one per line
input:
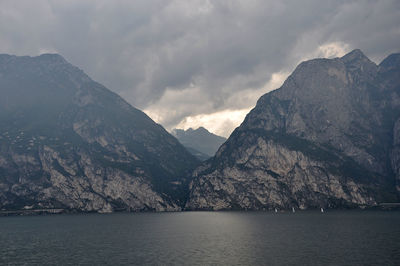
point(68, 142)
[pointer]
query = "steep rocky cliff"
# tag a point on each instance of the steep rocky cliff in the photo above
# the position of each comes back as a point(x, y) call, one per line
point(326, 138)
point(68, 142)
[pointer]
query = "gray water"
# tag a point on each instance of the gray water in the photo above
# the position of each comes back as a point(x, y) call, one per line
point(203, 238)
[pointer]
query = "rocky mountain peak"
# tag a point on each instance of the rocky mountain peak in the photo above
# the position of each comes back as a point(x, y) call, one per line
point(52, 58)
point(325, 138)
point(355, 55)
point(202, 129)
point(45, 59)
point(360, 65)
point(68, 142)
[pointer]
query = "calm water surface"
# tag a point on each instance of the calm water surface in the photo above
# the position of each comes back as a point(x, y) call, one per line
point(203, 238)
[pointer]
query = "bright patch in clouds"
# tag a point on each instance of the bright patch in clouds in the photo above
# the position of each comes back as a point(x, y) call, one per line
point(220, 123)
point(333, 49)
point(327, 50)
point(168, 110)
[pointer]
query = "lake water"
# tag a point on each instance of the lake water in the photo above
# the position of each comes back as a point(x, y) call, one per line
point(203, 238)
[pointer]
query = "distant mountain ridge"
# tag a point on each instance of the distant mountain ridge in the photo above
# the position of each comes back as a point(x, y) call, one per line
point(329, 137)
point(199, 141)
point(67, 142)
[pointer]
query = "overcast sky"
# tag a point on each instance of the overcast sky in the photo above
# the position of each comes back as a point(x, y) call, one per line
point(197, 63)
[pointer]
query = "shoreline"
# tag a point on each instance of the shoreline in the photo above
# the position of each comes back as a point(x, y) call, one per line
point(39, 212)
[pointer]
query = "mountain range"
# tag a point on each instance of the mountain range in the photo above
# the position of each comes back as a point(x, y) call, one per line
point(329, 137)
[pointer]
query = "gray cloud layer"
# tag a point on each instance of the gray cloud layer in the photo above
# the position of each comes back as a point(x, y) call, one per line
point(193, 57)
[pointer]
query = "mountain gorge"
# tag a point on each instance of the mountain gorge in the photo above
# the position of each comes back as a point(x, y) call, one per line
point(329, 137)
point(68, 142)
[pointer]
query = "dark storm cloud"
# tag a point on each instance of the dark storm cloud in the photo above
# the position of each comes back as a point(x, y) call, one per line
point(160, 54)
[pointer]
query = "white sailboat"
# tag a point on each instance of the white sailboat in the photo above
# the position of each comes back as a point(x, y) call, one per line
point(293, 210)
point(322, 210)
point(276, 210)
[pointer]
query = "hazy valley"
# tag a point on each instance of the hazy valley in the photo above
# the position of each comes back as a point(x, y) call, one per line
point(200, 142)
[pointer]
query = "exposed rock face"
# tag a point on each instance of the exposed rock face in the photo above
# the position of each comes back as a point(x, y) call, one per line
point(390, 71)
point(200, 142)
point(395, 156)
point(325, 138)
point(68, 142)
